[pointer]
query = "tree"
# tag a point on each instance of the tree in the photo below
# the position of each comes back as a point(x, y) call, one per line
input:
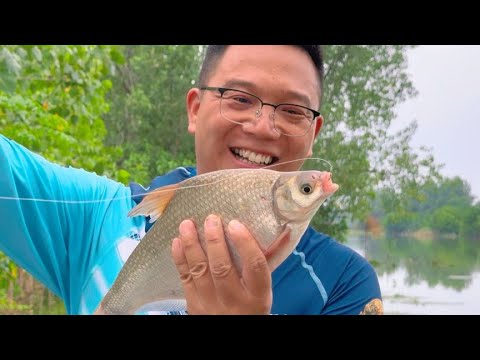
point(444, 204)
point(52, 100)
point(446, 220)
point(471, 223)
point(148, 117)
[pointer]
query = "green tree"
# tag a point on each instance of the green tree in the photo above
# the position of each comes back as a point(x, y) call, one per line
point(446, 220)
point(402, 221)
point(442, 204)
point(444, 191)
point(471, 224)
point(148, 117)
point(52, 99)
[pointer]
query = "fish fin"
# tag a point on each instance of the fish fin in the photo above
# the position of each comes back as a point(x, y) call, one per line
point(277, 251)
point(155, 203)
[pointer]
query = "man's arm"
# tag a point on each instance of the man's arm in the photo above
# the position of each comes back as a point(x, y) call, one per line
point(374, 307)
point(57, 237)
point(357, 291)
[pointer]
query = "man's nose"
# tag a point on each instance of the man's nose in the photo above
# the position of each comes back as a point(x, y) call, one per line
point(263, 125)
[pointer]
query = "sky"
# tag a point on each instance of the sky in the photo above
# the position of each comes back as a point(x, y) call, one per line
point(447, 107)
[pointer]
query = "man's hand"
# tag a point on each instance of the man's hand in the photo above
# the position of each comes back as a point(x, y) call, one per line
point(211, 282)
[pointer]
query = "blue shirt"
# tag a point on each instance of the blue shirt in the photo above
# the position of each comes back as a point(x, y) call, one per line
point(70, 230)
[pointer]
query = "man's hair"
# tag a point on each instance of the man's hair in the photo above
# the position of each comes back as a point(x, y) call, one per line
point(215, 52)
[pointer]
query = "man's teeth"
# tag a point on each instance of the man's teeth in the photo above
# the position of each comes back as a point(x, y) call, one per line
point(253, 157)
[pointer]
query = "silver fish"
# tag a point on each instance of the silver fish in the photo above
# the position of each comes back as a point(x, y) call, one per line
point(269, 203)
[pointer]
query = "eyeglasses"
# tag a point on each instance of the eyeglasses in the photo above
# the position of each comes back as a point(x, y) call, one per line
point(240, 107)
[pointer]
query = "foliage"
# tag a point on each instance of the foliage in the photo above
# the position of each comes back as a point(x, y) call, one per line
point(445, 220)
point(470, 226)
point(9, 306)
point(444, 205)
point(401, 221)
point(52, 99)
point(148, 117)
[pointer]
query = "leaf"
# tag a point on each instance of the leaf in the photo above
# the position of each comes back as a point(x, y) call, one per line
point(117, 56)
point(37, 54)
point(11, 60)
point(123, 176)
point(8, 82)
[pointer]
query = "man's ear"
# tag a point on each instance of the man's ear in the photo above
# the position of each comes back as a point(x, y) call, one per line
point(193, 104)
point(318, 125)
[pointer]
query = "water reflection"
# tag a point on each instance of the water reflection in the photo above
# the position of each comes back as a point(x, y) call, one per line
point(435, 276)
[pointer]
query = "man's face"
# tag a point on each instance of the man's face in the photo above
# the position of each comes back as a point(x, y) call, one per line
point(276, 74)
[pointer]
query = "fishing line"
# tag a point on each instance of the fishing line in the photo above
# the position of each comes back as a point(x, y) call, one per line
point(290, 161)
point(154, 191)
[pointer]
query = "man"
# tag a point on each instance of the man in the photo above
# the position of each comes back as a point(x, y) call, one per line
point(78, 248)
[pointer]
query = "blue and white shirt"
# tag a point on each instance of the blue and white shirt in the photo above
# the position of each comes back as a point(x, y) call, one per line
point(69, 228)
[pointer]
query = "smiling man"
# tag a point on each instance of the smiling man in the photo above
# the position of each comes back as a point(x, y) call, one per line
point(255, 106)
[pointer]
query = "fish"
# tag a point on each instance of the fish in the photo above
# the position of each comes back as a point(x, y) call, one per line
point(269, 203)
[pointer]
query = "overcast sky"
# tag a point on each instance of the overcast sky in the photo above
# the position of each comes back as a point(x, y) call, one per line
point(447, 107)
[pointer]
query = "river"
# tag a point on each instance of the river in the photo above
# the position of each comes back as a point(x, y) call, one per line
point(424, 277)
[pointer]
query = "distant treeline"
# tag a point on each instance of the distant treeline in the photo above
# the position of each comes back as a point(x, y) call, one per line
point(445, 206)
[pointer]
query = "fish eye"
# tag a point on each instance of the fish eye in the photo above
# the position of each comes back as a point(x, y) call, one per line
point(306, 189)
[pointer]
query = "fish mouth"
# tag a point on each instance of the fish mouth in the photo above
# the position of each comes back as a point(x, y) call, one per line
point(328, 185)
point(250, 157)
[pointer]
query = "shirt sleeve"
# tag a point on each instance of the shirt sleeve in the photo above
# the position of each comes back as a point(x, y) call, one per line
point(52, 218)
point(356, 291)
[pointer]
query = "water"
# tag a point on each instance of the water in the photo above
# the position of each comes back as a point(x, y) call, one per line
point(424, 277)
